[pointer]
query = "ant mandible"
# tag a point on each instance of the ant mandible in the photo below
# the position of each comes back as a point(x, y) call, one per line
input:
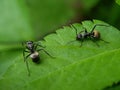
point(92, 35)
point(31, 48)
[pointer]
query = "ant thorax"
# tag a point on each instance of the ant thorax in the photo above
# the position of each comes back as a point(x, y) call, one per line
point(34, 55)
point(82, 35)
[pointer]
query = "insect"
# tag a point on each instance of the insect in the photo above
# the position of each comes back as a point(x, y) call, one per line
point(92, 35)
point(30, 47)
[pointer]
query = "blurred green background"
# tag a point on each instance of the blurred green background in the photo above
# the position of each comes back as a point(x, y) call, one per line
point(22, 20)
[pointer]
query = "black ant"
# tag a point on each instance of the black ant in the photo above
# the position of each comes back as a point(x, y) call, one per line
point(93, 34)
point(31, 48)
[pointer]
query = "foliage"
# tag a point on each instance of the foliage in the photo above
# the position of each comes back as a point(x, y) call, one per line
point(74, 68)
point(87, 68)
point(118, 2)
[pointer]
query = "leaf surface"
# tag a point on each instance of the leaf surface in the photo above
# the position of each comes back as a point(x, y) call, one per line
point(87, 68)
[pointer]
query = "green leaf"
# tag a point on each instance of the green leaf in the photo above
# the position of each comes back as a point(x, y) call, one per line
point(118, 2)
point(74, 68)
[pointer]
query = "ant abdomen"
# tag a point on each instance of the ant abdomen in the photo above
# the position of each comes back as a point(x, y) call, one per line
point(35, 57)
point(96, 34)
point(36, 60)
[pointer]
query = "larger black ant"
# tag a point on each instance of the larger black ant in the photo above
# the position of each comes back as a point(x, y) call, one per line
point(92, 35)
point(31, 48)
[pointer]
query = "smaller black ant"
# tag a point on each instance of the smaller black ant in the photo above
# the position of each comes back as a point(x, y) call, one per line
point(31, 48)
point(92, 35)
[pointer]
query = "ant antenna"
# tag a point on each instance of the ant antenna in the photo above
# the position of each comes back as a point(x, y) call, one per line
point(98, 25)
point(74, 28)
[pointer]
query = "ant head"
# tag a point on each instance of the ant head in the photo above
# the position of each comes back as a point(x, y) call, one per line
point(29, 44)
point(78, 36)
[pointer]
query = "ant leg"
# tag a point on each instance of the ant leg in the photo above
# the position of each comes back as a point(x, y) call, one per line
point(41, 46)
point(27, 64)
point(96, 43)
point(23, 44)
point(24, 54)
point(28, 68)
point(104, 41)
point(25, 57)
point(24, 50)
point(45, 52)
point(98, 25)
point(83, 31)
point(37, 44)
point(70, 42)
point(81, 43)
point(74, 28)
